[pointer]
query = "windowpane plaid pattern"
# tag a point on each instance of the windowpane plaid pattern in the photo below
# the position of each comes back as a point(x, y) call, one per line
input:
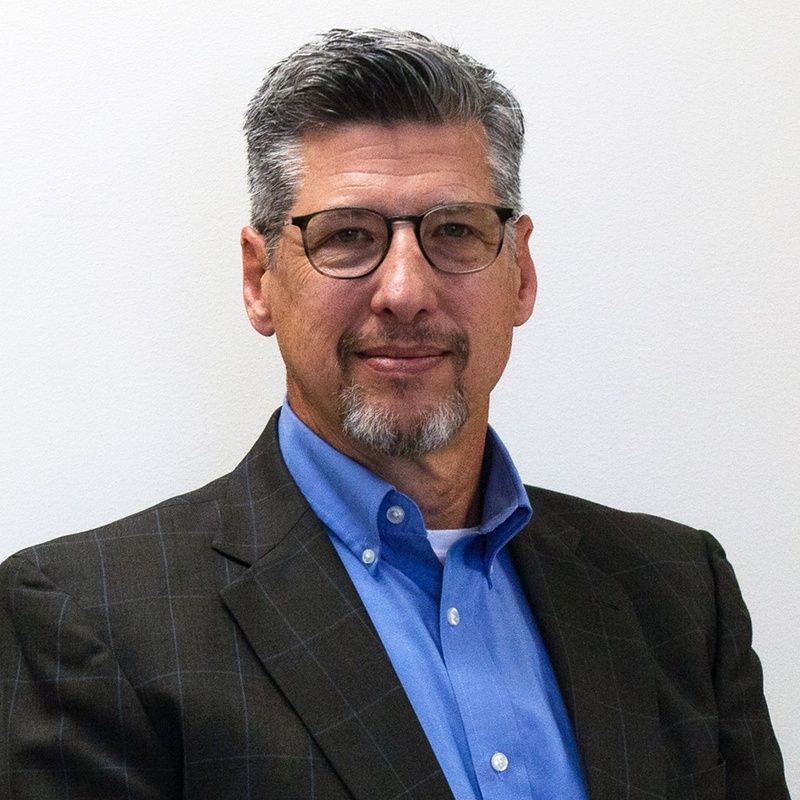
point(213, 647)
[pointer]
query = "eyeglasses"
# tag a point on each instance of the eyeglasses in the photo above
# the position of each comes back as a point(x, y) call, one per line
point(352, 242)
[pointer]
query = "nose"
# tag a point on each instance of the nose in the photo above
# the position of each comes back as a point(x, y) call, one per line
point(406, 283)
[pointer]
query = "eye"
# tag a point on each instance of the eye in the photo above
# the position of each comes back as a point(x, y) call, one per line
point(349, 236)
point(455, 230)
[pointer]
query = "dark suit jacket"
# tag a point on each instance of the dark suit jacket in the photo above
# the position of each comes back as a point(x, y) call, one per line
point(214, 647)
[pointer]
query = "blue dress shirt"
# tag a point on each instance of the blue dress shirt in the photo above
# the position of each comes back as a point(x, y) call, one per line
point(460, 637)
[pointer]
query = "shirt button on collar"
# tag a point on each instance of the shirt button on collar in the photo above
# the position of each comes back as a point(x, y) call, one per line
point(395, 514)
point(499, 762)
point(453, 617)
point(368, 556)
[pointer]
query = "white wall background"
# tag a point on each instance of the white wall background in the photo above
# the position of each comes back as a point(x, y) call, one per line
point(659, 373)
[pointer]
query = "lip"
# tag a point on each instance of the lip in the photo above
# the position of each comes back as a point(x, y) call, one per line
point(400, 359)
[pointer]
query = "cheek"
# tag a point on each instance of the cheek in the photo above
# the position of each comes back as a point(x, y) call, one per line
point(491, 350)
point(310, 319)
point(491, 333)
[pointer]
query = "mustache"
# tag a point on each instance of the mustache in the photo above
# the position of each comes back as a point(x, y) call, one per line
point(456, 342)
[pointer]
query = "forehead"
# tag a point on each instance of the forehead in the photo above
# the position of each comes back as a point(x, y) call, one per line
point(400, 168)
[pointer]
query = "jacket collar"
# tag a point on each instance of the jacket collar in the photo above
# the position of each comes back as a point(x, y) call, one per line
point(260, 503)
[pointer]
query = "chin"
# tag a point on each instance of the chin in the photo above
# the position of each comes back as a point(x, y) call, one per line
point(390, 432)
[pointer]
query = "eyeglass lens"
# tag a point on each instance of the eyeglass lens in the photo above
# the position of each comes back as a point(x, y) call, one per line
point(349, 242)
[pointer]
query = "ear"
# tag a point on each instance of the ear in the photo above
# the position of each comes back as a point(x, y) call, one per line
point(526, 293)
point(254, 268)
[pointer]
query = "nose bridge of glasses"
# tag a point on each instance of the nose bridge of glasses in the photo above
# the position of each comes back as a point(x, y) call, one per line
point(404, 221)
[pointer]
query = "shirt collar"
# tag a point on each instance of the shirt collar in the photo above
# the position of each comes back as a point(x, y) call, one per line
point(358, 506)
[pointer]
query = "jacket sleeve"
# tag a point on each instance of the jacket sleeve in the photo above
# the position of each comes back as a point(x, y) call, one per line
point(754, 767)
point(72, 725)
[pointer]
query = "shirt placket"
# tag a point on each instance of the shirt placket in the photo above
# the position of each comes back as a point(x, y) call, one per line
point(486, 710)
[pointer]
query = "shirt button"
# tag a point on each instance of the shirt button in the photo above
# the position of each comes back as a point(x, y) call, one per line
point(395, 514)
point(368, 556)
point(453, 617)
point(499, 762)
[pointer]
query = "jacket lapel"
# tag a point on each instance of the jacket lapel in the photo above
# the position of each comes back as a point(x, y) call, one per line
point(305, 621)
point(599, 656)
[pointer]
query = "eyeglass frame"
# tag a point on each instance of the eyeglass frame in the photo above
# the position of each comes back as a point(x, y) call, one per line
point(504, 214)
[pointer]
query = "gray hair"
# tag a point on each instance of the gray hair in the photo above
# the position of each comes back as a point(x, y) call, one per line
point(371, 76)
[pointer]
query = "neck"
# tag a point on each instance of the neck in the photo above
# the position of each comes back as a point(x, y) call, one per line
point(444, 483)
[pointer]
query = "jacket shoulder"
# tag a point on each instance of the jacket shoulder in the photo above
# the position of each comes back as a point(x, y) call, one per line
point(189, 506)
point(609, 533)
point(132, 546)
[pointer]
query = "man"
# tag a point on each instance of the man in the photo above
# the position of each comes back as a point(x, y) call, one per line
point(372, 605)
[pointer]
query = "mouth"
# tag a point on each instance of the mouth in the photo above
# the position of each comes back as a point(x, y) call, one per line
point(403, 352)
point(402, 359)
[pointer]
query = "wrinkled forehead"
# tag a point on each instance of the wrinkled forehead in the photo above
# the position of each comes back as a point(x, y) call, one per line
point(398, 168)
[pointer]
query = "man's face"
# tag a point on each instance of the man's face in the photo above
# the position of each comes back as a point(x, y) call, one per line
point(405, 343)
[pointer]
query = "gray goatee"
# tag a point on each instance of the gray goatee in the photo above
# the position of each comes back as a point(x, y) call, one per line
point(381, 429)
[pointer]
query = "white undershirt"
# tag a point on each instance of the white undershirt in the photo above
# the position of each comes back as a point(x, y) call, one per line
point(442, 540)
